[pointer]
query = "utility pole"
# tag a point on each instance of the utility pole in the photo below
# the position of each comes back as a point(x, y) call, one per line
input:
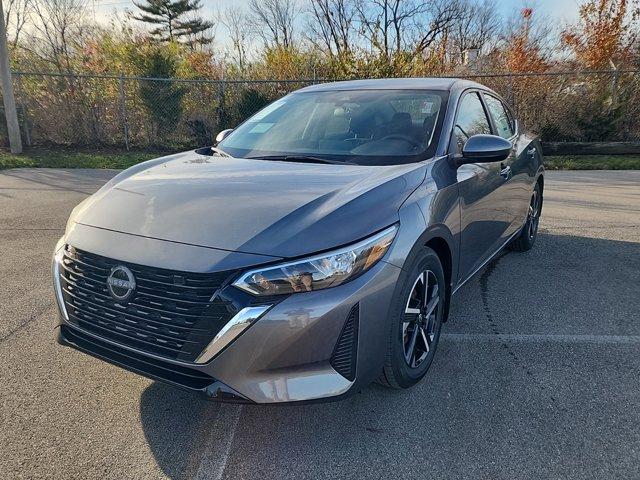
point(15, 141)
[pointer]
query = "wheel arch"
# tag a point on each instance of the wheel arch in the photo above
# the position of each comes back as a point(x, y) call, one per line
point(540, 181)
point(440, 239)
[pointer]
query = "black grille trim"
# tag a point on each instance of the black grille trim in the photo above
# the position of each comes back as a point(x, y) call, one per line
point(172, 314)
point(345, 352)
point(150, 367)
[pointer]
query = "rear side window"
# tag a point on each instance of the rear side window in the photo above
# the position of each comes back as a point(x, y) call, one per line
point(501, 117)
point(471, 120)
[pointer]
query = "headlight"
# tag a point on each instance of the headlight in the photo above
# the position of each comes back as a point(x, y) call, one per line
point(323, 271)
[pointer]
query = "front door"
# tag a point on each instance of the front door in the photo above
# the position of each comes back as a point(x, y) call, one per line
point(518, 185)
point(485, 211)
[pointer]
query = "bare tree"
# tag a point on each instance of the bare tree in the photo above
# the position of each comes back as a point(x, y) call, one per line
point(478, 24)
point(273, 21)
point(16, 14)
point(441, 14)
point(385, 23)
point(237, 24)
point(59, 26)
point(332, 26)
point(405, 26)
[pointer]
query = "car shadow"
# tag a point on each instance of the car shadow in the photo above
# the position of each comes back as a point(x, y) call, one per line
point(179, 425)
point(175, 423)
point(80, 180)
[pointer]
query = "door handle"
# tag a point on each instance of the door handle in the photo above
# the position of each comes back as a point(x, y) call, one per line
point(505, 172)
point(532, 151)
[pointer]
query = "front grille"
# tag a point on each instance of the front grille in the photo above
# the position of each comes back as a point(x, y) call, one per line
point(170, 313)
point(344, 355)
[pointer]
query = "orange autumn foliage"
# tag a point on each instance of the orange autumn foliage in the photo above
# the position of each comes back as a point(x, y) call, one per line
point(606, 31)
point(522, 54)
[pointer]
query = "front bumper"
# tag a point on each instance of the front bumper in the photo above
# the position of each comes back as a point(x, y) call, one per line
point(285, 356)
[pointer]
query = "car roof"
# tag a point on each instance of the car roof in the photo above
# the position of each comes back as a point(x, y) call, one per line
point(431, 83)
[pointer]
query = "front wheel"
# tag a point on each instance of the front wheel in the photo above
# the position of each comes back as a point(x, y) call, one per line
point(417, 310)
point(529, 233)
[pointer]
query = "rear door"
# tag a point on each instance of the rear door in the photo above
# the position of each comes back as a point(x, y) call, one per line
point(485, 217)
point(515, 169)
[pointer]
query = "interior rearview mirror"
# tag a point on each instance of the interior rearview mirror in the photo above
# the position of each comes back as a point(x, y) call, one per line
point(485, 149)
point(223, 134)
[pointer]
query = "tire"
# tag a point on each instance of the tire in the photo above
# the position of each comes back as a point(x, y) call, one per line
point(529, 233)
point(406, 325)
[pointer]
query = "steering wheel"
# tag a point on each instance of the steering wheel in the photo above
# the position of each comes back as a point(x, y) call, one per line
point(400, 136)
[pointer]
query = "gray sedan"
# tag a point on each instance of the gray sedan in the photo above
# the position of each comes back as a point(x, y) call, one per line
point(315, 249)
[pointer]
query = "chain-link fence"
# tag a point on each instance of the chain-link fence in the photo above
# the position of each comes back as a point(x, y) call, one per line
point(574, 107)
point(106, 111)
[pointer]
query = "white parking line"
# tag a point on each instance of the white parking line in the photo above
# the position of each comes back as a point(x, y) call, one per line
point(541, 338)
point(216, 454)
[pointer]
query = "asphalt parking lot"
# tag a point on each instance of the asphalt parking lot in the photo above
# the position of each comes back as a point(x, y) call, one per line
point(537, 374)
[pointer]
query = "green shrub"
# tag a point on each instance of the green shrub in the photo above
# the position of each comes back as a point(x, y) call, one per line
point(162, 100)
point(250, 101)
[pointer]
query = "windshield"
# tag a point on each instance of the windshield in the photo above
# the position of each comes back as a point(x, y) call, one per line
point(368, 127)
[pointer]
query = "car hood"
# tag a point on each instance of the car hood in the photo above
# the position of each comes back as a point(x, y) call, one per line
point(280, 209)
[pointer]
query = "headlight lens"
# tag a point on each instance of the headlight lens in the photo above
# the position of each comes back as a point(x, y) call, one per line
point(322, 271)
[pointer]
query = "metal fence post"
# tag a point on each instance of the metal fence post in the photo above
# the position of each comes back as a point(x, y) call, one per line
point(614, 86)
point(23, 110)
point(512, 98)
point(123, 110)
point(221, 91)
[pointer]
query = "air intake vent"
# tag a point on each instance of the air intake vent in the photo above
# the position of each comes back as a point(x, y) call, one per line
point(344, 355)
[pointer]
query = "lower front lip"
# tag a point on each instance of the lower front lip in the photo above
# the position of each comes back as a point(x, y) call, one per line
point(141, 364)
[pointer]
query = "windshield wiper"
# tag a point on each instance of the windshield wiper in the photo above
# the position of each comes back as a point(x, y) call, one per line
point(300, 158)
point(220, 152)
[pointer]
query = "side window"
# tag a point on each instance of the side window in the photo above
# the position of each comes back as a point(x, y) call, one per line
point(501, 117)
point(471, 120)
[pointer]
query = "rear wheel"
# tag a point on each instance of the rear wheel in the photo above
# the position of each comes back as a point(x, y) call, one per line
point(418, 310)
point(529, 233)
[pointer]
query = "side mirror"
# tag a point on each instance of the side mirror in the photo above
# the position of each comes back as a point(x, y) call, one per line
point(223, 134)
point(485, 149)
